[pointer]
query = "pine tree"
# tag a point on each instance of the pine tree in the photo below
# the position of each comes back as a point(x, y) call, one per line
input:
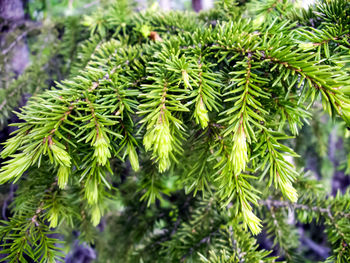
point(175, 132)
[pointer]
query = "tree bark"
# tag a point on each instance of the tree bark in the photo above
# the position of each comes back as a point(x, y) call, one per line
point(197, 5)
point(11, 16)
point(11, 9)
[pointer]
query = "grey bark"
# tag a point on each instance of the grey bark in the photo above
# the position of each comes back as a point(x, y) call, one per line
point(11, 9)
point(197, 5)
point(12, 15)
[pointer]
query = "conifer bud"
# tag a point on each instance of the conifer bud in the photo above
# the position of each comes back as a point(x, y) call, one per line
point(95, 215)
point(11, 146)
point(53, 217)
point(15, 168)
point(134, 160)
point(145, 30)
point(306, 46)
point(61, 156)
point(201, 114)
point(259, 20)
point(239, 153)
point(161, 140)
point(102, 152)
point(154, 36)
point(62, 174)
point(251, 220)
point(185, 78)
point(91, 191)
point(163, 145)
point(147, 140)
point(288, 190)
point(163, 164)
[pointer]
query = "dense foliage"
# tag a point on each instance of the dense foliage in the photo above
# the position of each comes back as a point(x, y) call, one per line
point(177, 130)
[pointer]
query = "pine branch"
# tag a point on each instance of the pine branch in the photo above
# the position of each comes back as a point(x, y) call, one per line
point(285, 204)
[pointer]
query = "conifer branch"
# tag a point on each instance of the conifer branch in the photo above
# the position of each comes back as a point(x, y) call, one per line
point(194, 102)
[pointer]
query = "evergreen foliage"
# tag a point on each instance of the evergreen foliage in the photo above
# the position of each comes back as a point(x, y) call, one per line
point(178, 129)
